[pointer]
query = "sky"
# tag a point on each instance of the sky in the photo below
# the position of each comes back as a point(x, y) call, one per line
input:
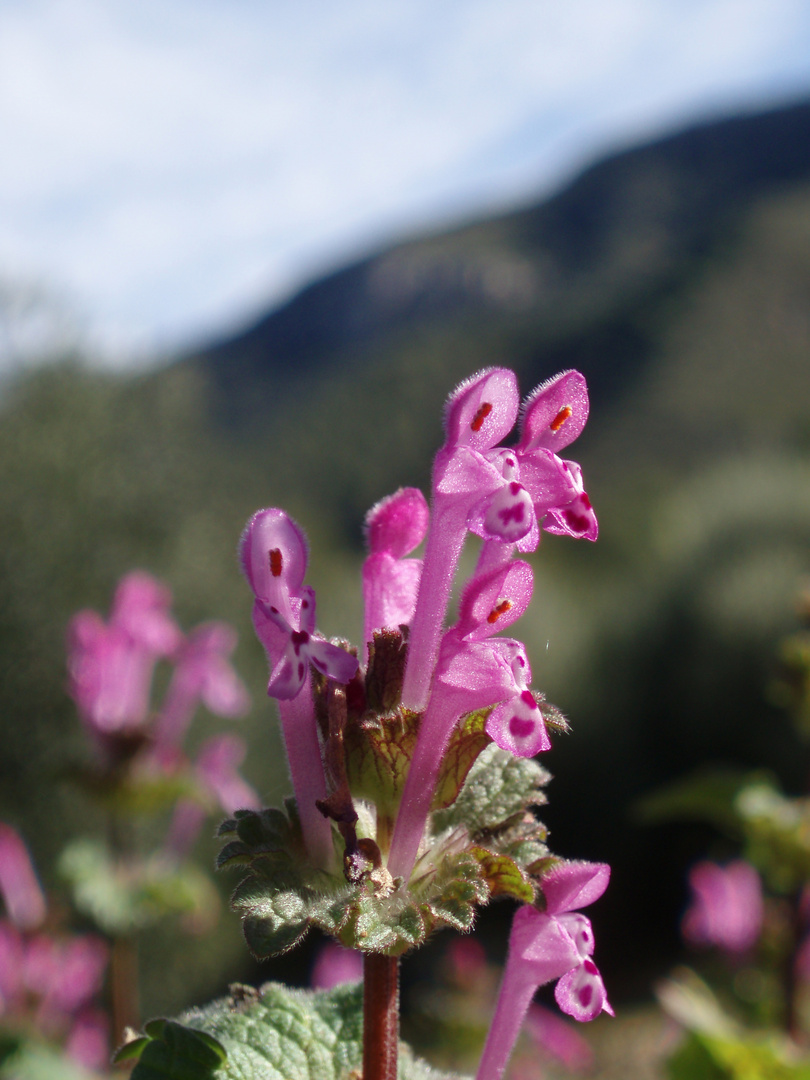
point(170, 171)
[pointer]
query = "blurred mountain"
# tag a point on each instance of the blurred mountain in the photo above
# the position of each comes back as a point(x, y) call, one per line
point(649, 261)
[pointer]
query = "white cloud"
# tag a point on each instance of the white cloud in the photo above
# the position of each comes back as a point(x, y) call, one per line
point(174, 165)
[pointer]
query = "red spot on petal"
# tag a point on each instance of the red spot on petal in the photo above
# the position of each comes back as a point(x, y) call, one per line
point(498, 610)
point(514, 513)
point(578, 522)
point(521, 728)
point(480, 416)
point(299, 638)
point(276, 562)
point(527, 697)
point(585, 995)
point(563, 415)
point(586, 502)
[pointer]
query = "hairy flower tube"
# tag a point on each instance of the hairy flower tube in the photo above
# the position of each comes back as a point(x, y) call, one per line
point(556, 943)
point(273, 553)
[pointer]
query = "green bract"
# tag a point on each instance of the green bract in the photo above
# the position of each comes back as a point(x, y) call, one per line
point(486, 843)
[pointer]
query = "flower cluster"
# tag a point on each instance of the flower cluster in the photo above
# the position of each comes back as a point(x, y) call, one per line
point(110, 672)
point(424, 679)
point(48, 980)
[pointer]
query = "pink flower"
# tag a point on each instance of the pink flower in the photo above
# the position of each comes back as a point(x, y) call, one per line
point(21, 891)
point(543, 946)
point(88, 1041)
point(110, 665)
point(217, 771)
point(503, 495)
point(273, 553)
point(553, 417)
point(335, 965)
point(726, 907)
point(202, 673)
point(472, 673)
point(558, 1038)
point(394, 527)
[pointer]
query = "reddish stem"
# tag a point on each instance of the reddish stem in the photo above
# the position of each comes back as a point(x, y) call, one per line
point(380, 1016)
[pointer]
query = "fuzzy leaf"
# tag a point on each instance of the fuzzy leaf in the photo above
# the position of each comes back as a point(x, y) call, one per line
point(389, 925)
point(499, 787)
point(503, 876)
point(284, 1034)
point(278, 912)
point(467, 741)
point(450, 893)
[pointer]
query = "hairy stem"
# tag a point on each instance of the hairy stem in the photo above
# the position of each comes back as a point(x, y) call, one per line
point(380, 1016)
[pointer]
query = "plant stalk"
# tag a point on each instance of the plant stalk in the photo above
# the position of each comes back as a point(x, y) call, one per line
point(380, 1016)
point(124, 986)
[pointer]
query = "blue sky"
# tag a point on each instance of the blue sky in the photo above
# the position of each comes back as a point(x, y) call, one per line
point(167, 171)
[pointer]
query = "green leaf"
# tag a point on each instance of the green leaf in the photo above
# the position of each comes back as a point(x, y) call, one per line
point(503, 876)
point(707, 1057)
point(706, 795)
point(276, 1034)
point(378, 752)
point(124, 896)
point(449, 888)
point(38, 1061)
point(498, 788)
point(170, 1051)
point(277, 912)
point(777, 835)
point(466, 743)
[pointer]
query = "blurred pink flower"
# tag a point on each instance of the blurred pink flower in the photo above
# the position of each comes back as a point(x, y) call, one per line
point(110, 665)
point(88, 1041)
point(20, 889)
point(559, 1038)
point(202, 673)
point(335, 965)
point(217, 771)
point(726, 908)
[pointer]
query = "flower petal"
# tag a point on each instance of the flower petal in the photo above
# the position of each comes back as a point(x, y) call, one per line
point(517, 726)
point(572, 885)
point(397, 523)
point(494, 600)
point(273, 554)
point(332, 661)
point(482, 410)
point(581, 992)
point(543, 947)
point(555, 413)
